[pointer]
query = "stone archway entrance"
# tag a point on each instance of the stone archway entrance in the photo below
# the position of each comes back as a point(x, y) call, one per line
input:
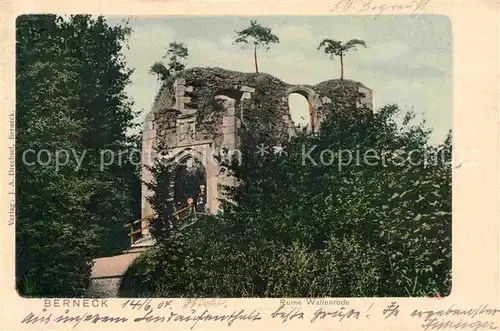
point(190, 182)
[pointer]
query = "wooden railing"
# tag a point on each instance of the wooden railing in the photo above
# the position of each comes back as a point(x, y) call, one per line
point(176, 214)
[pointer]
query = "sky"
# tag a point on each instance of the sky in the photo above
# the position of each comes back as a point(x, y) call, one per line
point(408, 60)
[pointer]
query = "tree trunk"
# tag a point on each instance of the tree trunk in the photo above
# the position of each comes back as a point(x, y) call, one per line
point(255, 58)
point(341, 67)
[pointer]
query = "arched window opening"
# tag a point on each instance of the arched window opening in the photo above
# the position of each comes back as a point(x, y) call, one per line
point(301, 111)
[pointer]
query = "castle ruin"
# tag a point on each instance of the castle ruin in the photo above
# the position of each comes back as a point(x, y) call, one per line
point(205, 112)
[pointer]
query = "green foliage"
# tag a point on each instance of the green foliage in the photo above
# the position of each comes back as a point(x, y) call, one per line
point(258, 36)
point(177, 54)
point(309, 225)
point(69, 86)
point(160, 70)
point(163, 178)
point(337, 48)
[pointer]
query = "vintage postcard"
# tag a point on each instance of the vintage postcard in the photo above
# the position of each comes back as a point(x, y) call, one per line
point(308, 165)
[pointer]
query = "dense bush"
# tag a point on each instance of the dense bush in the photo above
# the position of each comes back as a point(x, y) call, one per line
point(304, 228)
point(70, 80)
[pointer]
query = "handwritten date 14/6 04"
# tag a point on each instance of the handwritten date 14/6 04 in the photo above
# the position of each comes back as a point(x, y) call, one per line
point(145, 304)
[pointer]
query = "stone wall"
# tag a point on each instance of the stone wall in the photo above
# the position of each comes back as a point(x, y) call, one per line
point(107, 273)
point(259, 98)
point(104, 287)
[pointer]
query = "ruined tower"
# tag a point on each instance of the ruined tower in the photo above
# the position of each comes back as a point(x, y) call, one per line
point(205, 111)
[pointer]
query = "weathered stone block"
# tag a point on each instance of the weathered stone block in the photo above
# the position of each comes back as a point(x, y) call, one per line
point(229, 121)
point(179, 81)
point(326, 100)
point(247, 89)
point(228, 129)
point(246, 95)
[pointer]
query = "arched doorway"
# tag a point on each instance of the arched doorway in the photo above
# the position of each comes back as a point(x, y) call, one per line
point(190, 182)
point(301, 107)
point(299, 110)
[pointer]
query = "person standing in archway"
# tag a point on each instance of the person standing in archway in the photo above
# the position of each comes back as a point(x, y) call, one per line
point(200, 201)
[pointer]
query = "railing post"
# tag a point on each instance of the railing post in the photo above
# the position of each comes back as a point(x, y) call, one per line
point(176, 213)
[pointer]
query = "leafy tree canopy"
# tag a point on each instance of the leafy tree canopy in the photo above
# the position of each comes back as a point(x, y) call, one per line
point(320, 220)
point(177, 54)
point(256, 34)
point(337, 48)
point(70, 80)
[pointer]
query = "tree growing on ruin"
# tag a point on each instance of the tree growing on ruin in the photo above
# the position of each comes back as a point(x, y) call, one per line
point(177, 54)
point(337, 48)
point(258, 36)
